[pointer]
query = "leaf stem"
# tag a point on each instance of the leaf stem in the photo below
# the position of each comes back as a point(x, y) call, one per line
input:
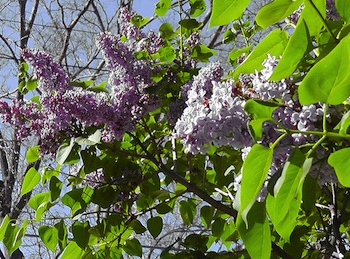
point(319, 142)
point(325, 111)
point(278, 140)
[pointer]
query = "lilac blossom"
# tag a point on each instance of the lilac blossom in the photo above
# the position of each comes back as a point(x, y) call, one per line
point(65, 111)
point(213, 114)
point(51, 76)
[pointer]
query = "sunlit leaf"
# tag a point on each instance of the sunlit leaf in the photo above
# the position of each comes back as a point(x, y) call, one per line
point(197, 7)
point(162, 7)
point(257, 237)
point(283, 206)
point(254, 171)
point(30, 180)
point(225, 11)
point(72, 251)
point(49, 236)
point(260, 112)
point(328, 81)
point(311, 16)
point(343, 8)
point(274, 44)
point(64, 151)
point(207, 215)
point(4, 224)
point(276, 11)
point(296, 48)
point(341, 163)
point(344, 123)
point(186, 212)
point(33, 154)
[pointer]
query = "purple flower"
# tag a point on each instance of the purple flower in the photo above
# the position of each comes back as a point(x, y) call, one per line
point(51, 76)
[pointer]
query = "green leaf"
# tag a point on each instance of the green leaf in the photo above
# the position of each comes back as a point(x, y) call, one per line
point(77, 199)
point(80, 231)
point(30, 180)
point(62, 234)
point(225, 11)
point(64, 151)
point(137, 226)
point(257, 237)
point(33, 154)
point(197, 242)
point(207, 213)
point(166, 31)
point(260, 112)
point(257, 109)
point(276, 11)
point(217, 227)
point(254, 171)
point(163, 208)
point(197, 7)
point(328, 81)
point(138, 20)
point(133, 247)
point(296, 48)
point(91, 140)
point(167, 54)
point(202, 53)
point(49, 235)
point(283, 207)
point(40, 203)
point(83, 84)
point(55, 188)
point(274, 44)
point(13, 236)
point(104, 196)
point(344, 123)
point(31, 84)
point(72, 251)
point(236, 53)
point(341, 164)
point(343, 8)
point(155, 226)
point(312, 17)
point(186, 212)
point(4, 224)
point(162, 7)
point(190, 24)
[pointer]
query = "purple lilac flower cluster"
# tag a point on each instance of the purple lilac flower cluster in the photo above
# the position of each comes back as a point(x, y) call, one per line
point(65, 111)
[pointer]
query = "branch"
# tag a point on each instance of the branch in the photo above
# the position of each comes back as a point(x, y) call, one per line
point(190, 187)
point(9, 46)
point(70, 28)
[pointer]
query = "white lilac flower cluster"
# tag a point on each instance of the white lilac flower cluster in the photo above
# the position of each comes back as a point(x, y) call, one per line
point(213, 114)
point(65, 111)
